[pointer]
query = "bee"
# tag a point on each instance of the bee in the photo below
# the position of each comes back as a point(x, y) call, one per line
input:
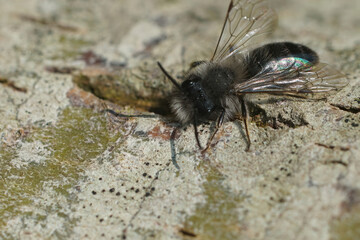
point(217, 90)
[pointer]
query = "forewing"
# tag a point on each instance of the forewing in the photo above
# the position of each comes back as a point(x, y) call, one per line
point(320, 78)
point(246, 23)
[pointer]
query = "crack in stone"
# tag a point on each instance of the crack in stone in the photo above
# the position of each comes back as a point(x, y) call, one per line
point(347, 109)
point(333, 147)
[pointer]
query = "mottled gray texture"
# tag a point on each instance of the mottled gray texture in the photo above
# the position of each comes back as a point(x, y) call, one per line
point(68, 171)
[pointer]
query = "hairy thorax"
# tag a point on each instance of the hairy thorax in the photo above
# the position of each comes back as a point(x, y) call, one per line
point(205, 92)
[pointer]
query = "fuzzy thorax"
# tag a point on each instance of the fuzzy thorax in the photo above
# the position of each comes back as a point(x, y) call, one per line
point(216, 81)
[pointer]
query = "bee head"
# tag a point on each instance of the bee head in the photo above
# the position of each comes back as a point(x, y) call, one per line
point(190, 100)
point(194, 90)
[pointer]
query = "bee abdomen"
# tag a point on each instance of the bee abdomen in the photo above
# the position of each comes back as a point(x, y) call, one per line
point(260, 57)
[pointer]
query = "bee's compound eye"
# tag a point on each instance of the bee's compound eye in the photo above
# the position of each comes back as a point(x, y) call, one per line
point(193, 78)
point(190, 84)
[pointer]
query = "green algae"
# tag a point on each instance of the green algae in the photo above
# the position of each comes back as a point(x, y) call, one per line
point(217, 218)
point(79, 136)
point(82, 134)
point(70, 47)
point(347, 227)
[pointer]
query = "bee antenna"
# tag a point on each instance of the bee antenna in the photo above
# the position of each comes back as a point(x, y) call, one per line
point(168, 76)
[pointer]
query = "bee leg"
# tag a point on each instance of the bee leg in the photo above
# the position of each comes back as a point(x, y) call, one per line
point(172, 147)
point(196, 132)
point(244, 110)
point(219, 123)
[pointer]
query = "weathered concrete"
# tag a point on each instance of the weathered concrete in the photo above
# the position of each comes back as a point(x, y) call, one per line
point(70, 170)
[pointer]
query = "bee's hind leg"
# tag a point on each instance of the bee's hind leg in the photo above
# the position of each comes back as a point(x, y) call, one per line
point(219, 123)
point(244, 111)
point(196, 132)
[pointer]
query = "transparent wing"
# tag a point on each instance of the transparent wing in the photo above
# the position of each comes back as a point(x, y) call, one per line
point(320, 78)
point(246, 23)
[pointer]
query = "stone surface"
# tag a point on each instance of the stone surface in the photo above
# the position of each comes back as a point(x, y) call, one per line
point(71, 170)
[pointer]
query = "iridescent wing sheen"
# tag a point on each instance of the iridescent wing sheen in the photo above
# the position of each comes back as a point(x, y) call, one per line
point(320, 78)
point(246, 23)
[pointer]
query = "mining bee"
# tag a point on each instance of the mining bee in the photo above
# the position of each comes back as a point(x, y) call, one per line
point(217, 90)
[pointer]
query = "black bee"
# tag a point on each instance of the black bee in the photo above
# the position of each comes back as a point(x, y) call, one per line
point(216, 89)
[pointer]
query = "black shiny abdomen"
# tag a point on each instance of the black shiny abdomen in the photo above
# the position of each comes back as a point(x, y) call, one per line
point(259, 57)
